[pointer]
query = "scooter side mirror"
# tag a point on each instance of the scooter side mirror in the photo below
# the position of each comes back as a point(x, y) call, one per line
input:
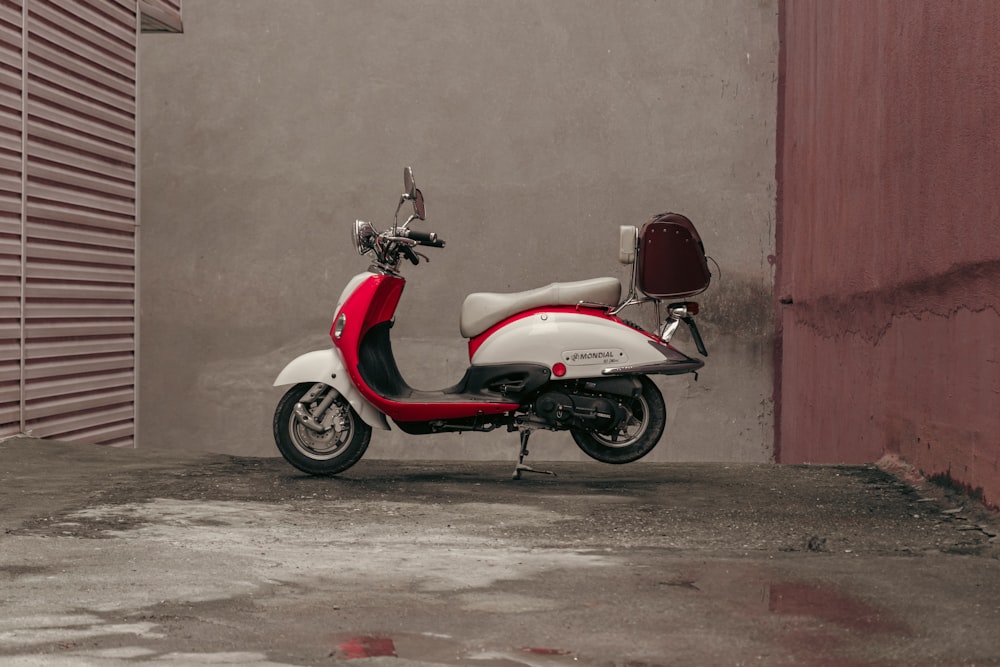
point(628, 241)
point(418, 204)
point(411, 192)
point(409, 186)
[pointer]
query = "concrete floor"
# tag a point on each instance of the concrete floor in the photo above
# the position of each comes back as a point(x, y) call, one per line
point(124, 557)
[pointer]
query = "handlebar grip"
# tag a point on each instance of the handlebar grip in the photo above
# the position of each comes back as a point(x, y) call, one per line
point(424, 238)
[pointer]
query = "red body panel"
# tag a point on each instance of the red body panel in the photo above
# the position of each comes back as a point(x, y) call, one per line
point(373, 302)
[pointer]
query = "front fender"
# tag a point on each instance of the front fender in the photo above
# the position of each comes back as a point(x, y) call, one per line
point(327, 366)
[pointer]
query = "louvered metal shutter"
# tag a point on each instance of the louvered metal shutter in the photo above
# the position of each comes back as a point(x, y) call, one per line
point(75, 221)
point(161, 15)
point(11, 158)
point(80, 211)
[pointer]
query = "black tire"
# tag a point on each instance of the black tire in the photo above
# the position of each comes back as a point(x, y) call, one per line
point(326, 453)
point(637, 437)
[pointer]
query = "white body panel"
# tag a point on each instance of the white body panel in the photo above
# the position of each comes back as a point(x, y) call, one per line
point(584, 343)
point(327, 366)
point(352, 285)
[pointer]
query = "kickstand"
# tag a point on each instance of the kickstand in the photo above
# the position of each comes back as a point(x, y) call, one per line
point(521, 467)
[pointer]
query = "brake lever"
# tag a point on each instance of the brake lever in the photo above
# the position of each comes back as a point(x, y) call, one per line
point(410, 255)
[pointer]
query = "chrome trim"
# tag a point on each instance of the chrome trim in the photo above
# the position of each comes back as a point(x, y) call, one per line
point(657, 368)
point(592, 304)
point(669, 328)
point(306, 419)
point(630, 300)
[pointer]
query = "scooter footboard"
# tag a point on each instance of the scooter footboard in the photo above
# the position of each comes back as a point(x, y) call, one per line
point(326, 366)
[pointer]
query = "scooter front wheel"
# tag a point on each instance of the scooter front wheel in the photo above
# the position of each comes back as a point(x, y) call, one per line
point(638, 434)
point(317, 432)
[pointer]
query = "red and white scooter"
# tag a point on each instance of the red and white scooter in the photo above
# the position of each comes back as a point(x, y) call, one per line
point(558, 357)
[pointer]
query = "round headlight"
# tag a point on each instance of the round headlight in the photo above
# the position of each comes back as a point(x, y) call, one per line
point(363, 234)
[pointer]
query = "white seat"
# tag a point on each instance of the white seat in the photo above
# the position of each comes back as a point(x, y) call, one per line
point(481, 310)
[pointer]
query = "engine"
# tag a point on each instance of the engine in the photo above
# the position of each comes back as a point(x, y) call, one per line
point(565, 410)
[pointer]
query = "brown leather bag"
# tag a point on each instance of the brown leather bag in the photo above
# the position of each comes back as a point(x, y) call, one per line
point(671, 263)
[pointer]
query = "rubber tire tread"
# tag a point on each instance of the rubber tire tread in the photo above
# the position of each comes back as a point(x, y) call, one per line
point(649, 439)
point(351, 454)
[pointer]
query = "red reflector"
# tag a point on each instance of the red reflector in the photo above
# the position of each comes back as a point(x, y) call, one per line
point(692, 307)
point(559, 370)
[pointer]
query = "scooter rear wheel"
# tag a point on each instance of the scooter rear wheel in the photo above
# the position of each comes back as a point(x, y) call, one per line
point(636, 437)
point(336, 448)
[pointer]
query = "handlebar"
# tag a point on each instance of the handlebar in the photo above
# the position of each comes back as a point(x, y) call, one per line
point(422, 238)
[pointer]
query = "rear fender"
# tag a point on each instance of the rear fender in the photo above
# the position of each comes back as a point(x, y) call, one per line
point(326, 366)
point(586, 343)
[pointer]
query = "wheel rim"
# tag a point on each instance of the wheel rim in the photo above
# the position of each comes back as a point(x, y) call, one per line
point(327, 445)
point(632, 430)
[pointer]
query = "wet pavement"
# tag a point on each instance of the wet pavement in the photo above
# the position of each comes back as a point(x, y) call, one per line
point(125, 557)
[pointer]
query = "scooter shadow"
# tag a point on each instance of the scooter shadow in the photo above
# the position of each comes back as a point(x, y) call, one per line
point(569, 477)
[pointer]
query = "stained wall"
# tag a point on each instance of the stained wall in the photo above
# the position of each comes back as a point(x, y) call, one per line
point(888, 242)
point(534, 129)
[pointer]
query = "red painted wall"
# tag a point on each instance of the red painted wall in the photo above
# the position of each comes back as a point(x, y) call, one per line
point(888, 239)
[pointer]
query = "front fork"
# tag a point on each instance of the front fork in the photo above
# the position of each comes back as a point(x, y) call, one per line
point(314, 419)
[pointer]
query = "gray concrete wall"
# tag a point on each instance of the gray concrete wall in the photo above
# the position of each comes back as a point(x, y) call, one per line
point(534, 130)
